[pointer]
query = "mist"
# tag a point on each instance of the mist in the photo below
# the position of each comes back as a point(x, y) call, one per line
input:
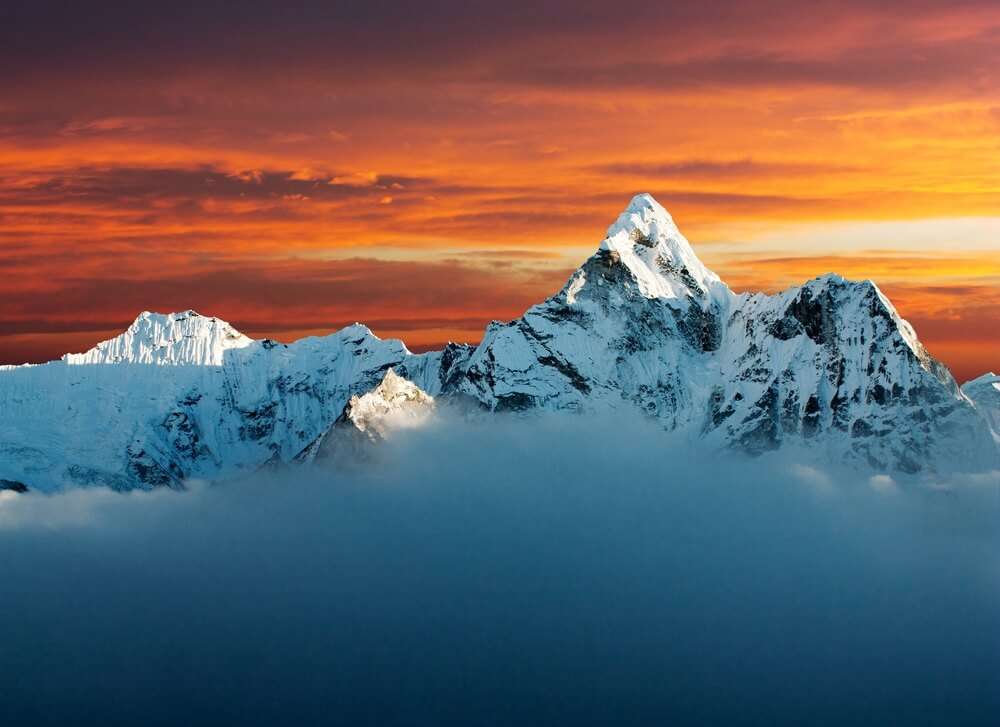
point(562, 570)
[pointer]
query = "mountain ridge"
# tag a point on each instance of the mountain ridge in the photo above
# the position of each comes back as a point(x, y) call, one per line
point(641, 324)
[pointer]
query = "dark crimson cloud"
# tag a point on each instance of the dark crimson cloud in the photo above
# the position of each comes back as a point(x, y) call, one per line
point(142, 187)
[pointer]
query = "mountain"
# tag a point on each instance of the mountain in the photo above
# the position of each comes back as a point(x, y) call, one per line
point(184, 396)
point(984, 393)
point(371, 418)
point(643, 322)
point(829, 367)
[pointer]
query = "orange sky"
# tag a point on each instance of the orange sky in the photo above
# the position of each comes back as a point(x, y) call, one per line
point(426, 171)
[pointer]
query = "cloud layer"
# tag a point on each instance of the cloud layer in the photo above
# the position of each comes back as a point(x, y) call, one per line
point(566, 571)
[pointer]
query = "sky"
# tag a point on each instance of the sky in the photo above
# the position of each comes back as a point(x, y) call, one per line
point(425, 168)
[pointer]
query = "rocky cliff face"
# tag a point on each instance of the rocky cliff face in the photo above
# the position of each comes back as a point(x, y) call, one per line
point(643, 324)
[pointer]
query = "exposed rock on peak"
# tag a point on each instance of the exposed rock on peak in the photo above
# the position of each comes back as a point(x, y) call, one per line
point(12, 486)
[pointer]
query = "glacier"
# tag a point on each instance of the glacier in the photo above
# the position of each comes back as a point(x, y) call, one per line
point(829, 369)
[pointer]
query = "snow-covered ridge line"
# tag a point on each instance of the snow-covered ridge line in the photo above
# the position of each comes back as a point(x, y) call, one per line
point(185, 338)
point(829, 367)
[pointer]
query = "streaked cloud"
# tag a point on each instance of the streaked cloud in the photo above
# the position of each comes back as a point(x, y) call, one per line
point(720, 169)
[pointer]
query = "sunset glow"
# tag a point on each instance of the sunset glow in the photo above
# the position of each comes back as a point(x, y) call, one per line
point(293, 174)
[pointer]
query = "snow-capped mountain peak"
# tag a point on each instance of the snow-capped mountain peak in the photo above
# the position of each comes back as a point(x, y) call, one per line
point(645, 240)
point(167, 339)
point(642, 325)
point(396, 403)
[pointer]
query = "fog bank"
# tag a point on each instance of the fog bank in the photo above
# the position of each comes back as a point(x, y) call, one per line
point(560, 571)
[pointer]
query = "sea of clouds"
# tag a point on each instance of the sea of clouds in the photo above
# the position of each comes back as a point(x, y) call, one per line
point(558, 571)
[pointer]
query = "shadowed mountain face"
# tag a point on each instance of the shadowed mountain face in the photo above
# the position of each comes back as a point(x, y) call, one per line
point(641, 325)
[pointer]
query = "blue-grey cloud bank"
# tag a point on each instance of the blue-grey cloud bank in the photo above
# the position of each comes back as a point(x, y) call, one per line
point(558, 572)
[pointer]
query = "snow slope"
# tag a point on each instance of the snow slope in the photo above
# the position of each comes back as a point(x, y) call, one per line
point(642, 324)
point(984, 393)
